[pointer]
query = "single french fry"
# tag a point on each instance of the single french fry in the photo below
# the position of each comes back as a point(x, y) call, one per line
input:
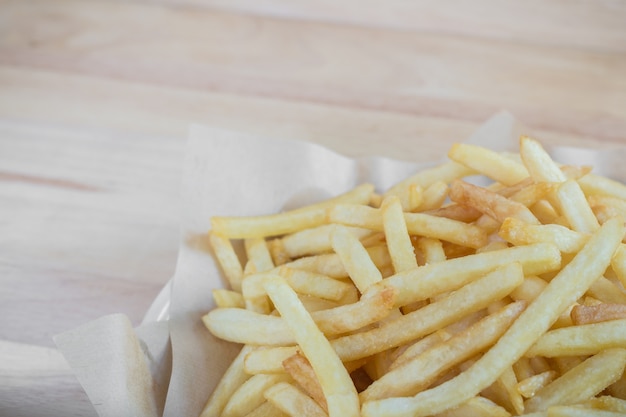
point(302, 372)
point(575, 208)
point(234, 377)
point(607, 291)
point(578, 411)
point(228, 298)
point(249, 395)
point(288, 221)
point(292, 401)
point(267, 360)
point(582, 314)
point(458, 212)
point(538, 162)
point(328, 264)
point(227, 259)
point(355, 258)
point(608, 206)
point(518, 232)
point(587, 339)
point(433, 279)
point(406, 353)
point(490, 203)
point(568, 286)
point(278, 252)
point(339, 391)
point(593, 184)
point(608, 403)
point(433, 197)
point(258, 255)
point(315, 241)
point(432, 249)
point(318, 285)
point(492, 164)
point(530, 288)
point(435, 227)
point(507, 382)
point(397, 236)
point(582, 382)
point(528, 387)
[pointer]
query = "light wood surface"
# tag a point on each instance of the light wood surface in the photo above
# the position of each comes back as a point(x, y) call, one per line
point(96, 97)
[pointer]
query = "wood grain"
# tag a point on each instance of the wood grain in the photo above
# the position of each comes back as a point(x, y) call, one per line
point(435, 75)
point(96, 97)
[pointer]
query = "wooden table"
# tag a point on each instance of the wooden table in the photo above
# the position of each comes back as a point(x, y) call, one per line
point(96, 97)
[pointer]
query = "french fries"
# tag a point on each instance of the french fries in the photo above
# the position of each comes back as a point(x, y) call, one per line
point(436, 297)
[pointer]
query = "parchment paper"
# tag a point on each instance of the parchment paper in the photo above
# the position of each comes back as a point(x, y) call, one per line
point(133, 372)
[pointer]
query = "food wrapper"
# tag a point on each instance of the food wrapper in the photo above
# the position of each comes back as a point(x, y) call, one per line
point(170, 364)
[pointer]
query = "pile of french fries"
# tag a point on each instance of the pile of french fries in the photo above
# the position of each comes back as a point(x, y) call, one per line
point(437, 297)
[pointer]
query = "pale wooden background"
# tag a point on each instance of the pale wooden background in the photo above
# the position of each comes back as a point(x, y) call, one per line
point(96, 97)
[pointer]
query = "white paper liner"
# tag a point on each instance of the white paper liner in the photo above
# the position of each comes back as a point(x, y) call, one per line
point(126, 372)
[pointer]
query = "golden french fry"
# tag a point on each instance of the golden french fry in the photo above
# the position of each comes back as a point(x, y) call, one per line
point(587, 339)
point(433, 197)
point(605, 207)
point(569, 285)
point(315, 241)
point(259, 257)
point(228, 298)
point(249, 395)
point(575, 208)
point(435, 227)
point(578, 411)
point(518, 232)
point(492, 164)
point(582, 314)
point(608, 403)
point(507, 385)
point(528, 387)
point(597, 184)
point(490, 203)
point(457, 212)
point(582, 382)
point(607, 291)
point(267, 360)
point(538, 162)
point(227, 259)
point(355, 258)
point(288, 221)
point(292, 401)
point(318, 285)
point(397, 235)
point(433, 279)
point(339, 391)
point(302, 372)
